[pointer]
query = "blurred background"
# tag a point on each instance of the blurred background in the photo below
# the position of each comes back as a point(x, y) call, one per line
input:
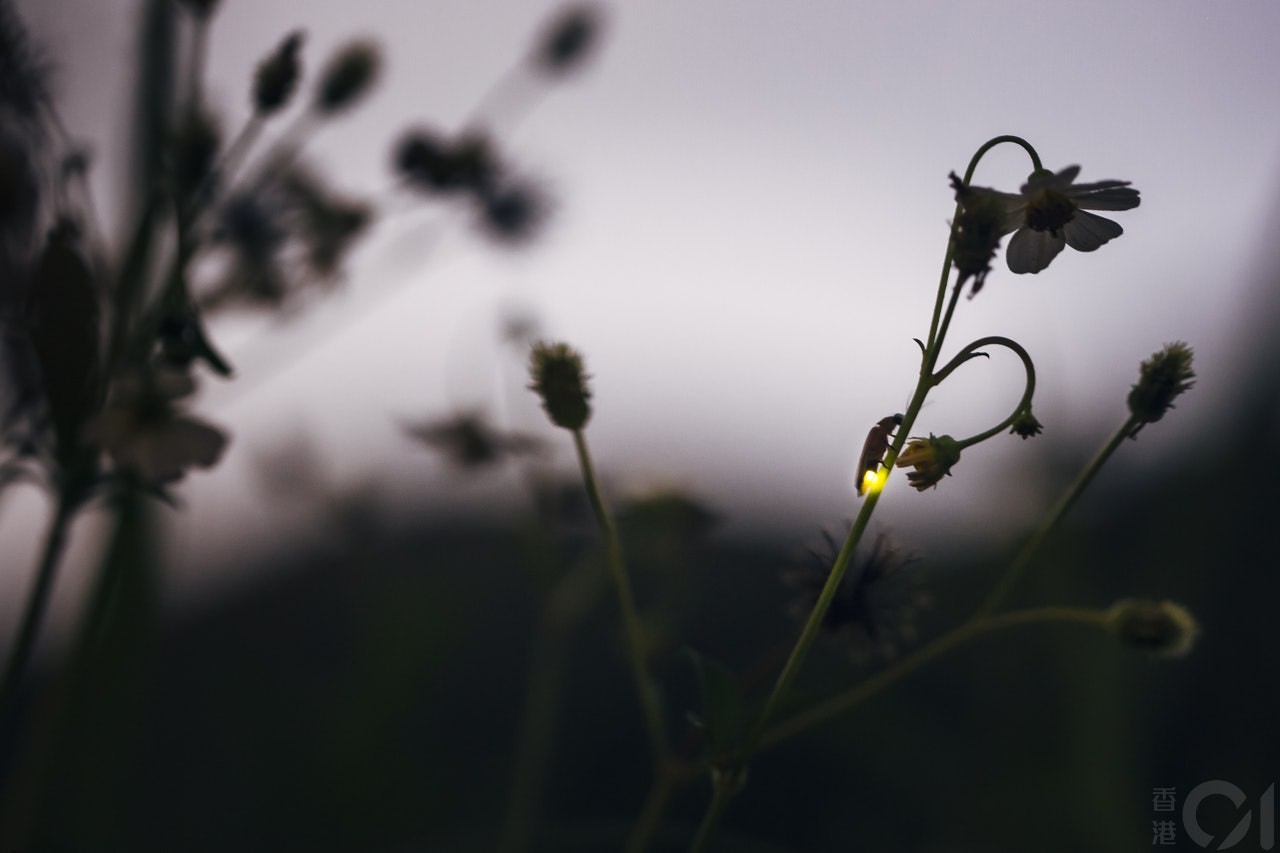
point(748, 212)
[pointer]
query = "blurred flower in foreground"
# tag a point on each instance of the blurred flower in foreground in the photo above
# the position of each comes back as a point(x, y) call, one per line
point(1052, 212)
point(143, 432)
point(1165, 376)
point(931, 458)
point(1160, 627)
point(874, 610)
point(468, 440)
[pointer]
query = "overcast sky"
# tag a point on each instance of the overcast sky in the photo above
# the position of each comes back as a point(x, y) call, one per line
point(751, 212)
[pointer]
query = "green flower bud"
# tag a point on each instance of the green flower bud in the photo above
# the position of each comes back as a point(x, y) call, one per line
point(558, 378)
point(1160, 627)
point(932, 459)
point(1163, 377)
point(277, 76)
point(348, 77)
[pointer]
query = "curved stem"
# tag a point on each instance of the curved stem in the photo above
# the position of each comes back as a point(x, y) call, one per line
point(972, 629)
point(649, 705)
point(936, 332)
point(970, 352)
point(1002, 588)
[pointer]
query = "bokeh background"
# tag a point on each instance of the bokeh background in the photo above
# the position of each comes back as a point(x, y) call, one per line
point(750, 214)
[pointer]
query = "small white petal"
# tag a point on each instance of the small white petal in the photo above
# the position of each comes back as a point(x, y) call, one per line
point(1107, 195)
point(1086, 232)
point(1031, 251)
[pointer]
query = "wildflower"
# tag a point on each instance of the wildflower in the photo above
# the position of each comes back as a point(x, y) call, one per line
point(469, 441)
point(1160, 627)
point(976, 234)
point(1163, 377)
point(347, 77)
point(875, 608)
point(558, 378)
point(568, 40)
point(1052, 211)
point(277, 76)
point(932, 459)
point(145, 435)
point(1026, 425)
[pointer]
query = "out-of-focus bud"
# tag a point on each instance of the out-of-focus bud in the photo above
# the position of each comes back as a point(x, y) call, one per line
point(559, 379)
point(569, 39)
point(437, 165)
point(1160, 627)
point(1163, 377)
point(348, 77)
point(277, 76)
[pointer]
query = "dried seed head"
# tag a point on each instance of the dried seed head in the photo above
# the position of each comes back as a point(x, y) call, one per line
point(1163, 377)
point(559, 379)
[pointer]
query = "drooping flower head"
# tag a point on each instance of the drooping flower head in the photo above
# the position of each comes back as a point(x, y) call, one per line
point(1052, 211)
point(932, 459)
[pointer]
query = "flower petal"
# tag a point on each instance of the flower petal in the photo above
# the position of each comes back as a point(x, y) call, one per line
point(1031, 251)
point(1086, 232)
point(1105, 195)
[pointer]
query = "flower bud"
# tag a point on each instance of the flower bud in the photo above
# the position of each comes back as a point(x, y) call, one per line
point(932, 459)
point(568, 40)
point(348, 77)
point(558, 378)
point(277, 76)
point(1026, 425)
point(1160, 627)
point(976, 234)
point(1163, 377)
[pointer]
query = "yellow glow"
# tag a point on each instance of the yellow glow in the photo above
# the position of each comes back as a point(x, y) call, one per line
point(873, 481)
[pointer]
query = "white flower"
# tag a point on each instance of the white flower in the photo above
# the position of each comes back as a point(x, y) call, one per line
point(1052, 211)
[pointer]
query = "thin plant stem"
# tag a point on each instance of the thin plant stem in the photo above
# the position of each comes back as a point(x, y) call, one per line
point(1003, 587)
point(537, 732)
point(722, 791)
point(649, 705)
point(970, 630)
point(19, 658)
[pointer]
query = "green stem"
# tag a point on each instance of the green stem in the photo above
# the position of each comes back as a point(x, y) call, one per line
point(649, 704)
point(1002, 588)
point(723, 790)
point(972, 629)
